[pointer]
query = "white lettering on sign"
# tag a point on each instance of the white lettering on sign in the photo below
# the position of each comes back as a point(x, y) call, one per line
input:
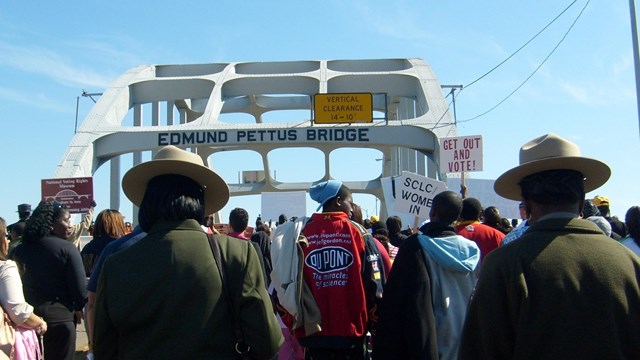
point(461, 154)
point(414, 194)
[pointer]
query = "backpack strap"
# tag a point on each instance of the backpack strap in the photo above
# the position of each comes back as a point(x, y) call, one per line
point(373, 276)
point(241, 347)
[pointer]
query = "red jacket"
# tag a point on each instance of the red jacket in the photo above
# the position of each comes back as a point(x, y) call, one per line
point(332, 270)
point(486, 237)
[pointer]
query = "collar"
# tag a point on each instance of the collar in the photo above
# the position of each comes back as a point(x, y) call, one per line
point(559, 215)
point(163, 226)
point(566, 224)
point(437, 229)
point(467, 222)
point(238, 235)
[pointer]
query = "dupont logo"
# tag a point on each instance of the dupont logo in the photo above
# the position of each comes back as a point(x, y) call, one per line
point(328, 259)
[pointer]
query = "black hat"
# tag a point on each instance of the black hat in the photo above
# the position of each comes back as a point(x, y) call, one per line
point(23, 208)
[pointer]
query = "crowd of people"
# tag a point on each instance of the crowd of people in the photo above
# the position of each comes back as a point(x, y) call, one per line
point(467, 284)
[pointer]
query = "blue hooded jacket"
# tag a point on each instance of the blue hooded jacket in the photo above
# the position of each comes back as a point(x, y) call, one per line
point(452, 262)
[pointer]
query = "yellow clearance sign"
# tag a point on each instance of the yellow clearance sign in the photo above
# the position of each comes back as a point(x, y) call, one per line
point(343, 108)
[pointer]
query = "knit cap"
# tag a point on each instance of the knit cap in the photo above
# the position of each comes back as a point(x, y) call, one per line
point(324, 191)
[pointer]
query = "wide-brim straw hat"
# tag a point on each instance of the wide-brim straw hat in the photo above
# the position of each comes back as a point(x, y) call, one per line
point(173, 160)
point(551, 152)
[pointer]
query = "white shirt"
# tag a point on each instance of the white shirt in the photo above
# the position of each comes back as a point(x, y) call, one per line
point(631, 244)
point(11, 295)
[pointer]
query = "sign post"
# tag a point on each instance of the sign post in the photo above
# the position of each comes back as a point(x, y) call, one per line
point(343, 108)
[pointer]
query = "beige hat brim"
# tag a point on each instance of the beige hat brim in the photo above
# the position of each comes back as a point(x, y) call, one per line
point(216, 191)
point(596, 173)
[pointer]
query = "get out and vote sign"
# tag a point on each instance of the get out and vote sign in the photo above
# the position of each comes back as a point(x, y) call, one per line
point(414, 194)
point(461, 154)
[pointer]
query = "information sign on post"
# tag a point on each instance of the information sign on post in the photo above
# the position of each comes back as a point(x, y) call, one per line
point(76, 193)
point(460, 154)
point(414, 194)
point(343, 108)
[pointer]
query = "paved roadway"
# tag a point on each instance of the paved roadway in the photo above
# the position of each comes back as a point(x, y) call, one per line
point(82, 343)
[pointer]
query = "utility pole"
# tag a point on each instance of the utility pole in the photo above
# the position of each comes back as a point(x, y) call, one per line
point(453, 98)
point(636, 55)
point(453, 88)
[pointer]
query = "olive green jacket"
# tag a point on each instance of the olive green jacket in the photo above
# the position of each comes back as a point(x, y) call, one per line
point(162, 299)
point(564, 290)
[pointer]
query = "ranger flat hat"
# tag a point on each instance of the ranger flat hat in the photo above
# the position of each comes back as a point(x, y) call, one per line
point(173, 160)
point(551, 152)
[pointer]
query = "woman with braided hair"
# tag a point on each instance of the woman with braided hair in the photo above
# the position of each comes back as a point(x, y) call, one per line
point(53, 276)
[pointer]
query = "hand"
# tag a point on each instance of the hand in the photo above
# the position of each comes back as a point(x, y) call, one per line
point(77, 317)
point(93, 204)
point(42, 328)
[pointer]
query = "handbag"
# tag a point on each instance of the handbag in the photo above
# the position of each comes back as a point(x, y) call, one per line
point(241, 347)
point(7, 336)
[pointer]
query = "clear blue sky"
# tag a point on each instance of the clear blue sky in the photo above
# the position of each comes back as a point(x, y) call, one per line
point(585, 91)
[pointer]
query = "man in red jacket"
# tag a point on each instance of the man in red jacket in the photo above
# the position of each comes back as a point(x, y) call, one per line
point(486, 237)
point(343, 270)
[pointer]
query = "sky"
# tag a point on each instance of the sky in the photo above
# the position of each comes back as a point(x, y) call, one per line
point(575, 79)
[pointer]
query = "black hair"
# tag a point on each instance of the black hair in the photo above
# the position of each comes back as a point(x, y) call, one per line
point(553, 187)
point(379, 225)
point(447, 205)
point(40, 224)
point(632, 220)
point(590, 209)
point(239, 219)
point(492, 216)
point(171, 197)
point(471, 209)
point(357, 214)
point(282, 219)
point(394, 224)
point(18, 228)
point(383, 236)
point(604, 210)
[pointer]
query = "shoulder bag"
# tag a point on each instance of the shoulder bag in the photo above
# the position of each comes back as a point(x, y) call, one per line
point(7, 336)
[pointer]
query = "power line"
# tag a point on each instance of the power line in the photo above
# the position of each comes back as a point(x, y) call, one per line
point(536, 69)
point(523, 46)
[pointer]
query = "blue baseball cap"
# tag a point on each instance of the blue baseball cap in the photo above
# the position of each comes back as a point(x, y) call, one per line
point(324, 191)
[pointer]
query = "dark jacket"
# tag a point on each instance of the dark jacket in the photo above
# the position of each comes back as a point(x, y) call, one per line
point(564, 290)
point(53, 277)
point(162, 298)
point(411, 312)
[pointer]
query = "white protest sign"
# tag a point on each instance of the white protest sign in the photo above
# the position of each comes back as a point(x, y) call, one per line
point(415, 193)
point(458, 154)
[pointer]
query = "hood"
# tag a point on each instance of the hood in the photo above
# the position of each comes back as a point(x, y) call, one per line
point(454, 252)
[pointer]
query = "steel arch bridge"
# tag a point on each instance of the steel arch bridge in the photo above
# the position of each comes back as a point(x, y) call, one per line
point(193, 107)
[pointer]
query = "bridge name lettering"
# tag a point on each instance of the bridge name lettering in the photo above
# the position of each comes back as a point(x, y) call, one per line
point(360, 134)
